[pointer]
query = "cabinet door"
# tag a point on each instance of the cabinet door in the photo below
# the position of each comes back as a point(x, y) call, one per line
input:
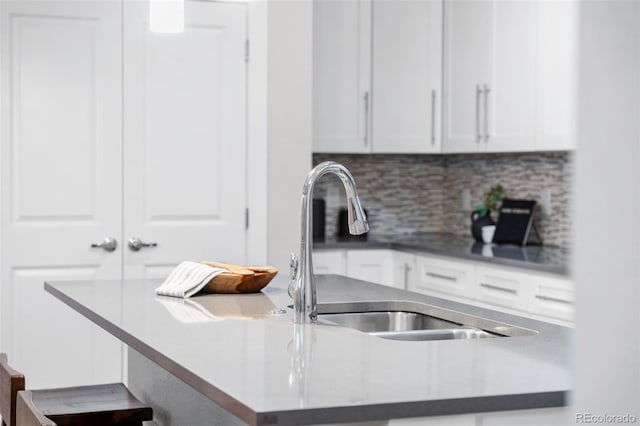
point(370, 265)
point(404, 269)
point(552, 297)
point(443, 277)
point(489, 76)
point(501, 287)
point(329, 262)
point(467, 46)
point(508, 100)
point(406, 75)
point(556, 103)
point(341, 76)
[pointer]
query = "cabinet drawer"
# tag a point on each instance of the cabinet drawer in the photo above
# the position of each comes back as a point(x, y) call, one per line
point(552, 297)
point(444, 276)
point(329, 262)
point(502, 287)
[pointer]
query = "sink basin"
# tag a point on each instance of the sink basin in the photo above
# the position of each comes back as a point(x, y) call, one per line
point(404, 320)
point(401, 325)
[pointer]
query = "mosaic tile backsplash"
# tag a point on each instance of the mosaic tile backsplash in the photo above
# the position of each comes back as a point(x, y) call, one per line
point(424, 193)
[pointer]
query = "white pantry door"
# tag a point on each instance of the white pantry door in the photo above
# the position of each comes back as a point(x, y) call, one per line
point(60, 184)
point(185, 138)
point(68, 179)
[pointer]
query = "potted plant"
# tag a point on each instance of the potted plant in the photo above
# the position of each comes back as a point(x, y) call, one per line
point(481, 216)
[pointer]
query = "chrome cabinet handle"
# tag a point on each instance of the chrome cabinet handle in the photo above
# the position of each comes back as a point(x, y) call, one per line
point(553, 299)
point(366, 118)
point(444, 277)
point(487, 89)
point(136, 244)
point(478, 94)
point(495, 287)
point(407, 269)
point(108, 244)
point(433, 117)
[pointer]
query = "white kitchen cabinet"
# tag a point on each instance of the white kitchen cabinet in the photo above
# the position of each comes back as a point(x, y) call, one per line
point(438, 276)
point(380, 266)
point(406, 76)
point(341, 76)
point(501, 287)
point(552, 297)
point(404, 269)
point(377, 76)
point(371, 265)
point(489, 76)
point(536, 295)
point(329, 262)
point(556, 90)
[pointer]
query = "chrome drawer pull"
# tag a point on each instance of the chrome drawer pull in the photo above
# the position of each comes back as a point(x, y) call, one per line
point(495, 287)
point(444, 277)
point(553, 299)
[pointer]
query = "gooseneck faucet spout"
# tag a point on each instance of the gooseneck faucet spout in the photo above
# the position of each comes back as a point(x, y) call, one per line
point(304, 289)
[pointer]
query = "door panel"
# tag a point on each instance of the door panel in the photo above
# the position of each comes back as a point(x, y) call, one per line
point(61, 179)
point(467, 56)
point(511, 99)
point(407, 75)
point(341, 75)
point(185, 142)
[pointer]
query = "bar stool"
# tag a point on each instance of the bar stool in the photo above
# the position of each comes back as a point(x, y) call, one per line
point(98, 405)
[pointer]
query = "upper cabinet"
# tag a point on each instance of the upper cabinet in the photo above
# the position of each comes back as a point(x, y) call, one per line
point(377, 76)
point(342, 76)
point(489, 76)
point(557, 72)
point(406, 76)
point(509, 75)
point(451, 76)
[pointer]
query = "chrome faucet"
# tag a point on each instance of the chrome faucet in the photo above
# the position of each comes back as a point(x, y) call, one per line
point(302, 288)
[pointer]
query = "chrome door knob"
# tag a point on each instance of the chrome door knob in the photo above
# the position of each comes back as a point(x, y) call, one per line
point(108, 244)
point(136, 244)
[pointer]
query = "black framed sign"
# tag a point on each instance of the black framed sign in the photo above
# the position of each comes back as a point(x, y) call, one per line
point(514, 222)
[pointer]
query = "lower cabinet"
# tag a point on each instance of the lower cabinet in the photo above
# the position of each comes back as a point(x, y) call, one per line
point(502, 287)
point(370, 265)
point(556, 416)
point(536, 295)
point(440, 276)
point(387, 267)
point(329, 262)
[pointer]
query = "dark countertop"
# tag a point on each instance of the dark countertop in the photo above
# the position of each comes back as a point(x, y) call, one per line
point(537, 258)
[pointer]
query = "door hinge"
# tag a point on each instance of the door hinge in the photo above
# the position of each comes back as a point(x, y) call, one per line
point(246, 50)
point(246, 218)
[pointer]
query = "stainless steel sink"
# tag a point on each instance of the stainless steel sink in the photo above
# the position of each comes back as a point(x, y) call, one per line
point(403, 320)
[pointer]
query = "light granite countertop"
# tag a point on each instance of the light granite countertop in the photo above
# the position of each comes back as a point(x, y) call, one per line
point(552, 260)
point(244, 356)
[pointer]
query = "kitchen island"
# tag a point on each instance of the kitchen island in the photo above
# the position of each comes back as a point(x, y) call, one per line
point(239, 359)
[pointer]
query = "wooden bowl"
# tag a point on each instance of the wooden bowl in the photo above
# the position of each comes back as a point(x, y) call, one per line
point(242, 279)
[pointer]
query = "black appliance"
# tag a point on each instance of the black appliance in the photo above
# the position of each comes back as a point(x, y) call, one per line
point(319, 213)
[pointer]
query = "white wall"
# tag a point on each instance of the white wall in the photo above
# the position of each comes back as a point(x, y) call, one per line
point(289, 123)
point(607, 231)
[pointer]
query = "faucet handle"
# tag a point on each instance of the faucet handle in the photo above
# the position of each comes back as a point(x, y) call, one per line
point(293, 273)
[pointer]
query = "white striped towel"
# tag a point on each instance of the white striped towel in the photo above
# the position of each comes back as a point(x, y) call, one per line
point(187, 279)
